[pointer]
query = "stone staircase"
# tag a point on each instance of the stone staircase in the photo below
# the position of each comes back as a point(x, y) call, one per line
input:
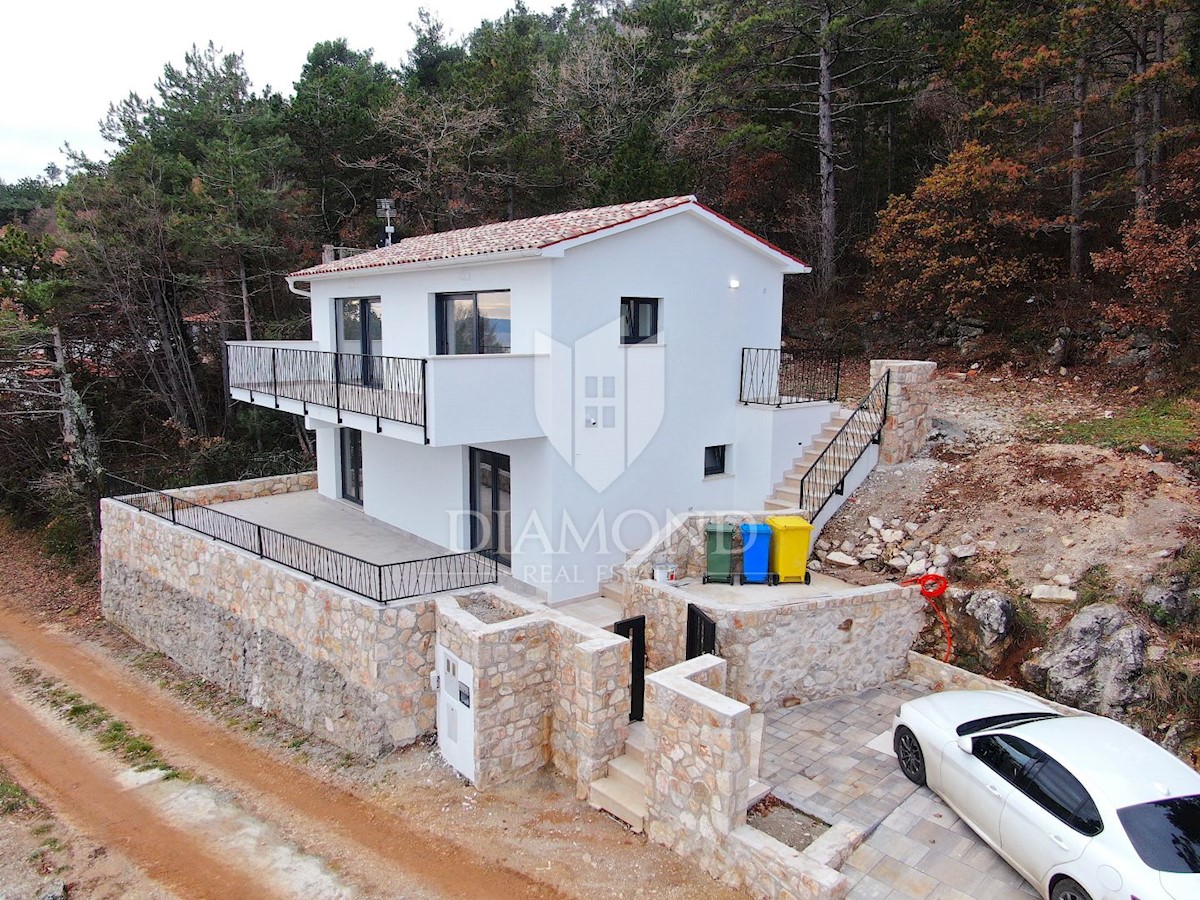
point(787, 492)
point(622, 792)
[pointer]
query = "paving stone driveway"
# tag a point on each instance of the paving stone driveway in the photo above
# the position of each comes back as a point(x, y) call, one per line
point(833, 760)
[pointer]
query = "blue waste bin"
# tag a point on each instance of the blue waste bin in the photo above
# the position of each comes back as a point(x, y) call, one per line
point(756, 554)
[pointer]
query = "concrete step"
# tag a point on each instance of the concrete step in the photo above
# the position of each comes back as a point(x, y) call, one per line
point(786, 493)
point(627, 770)
point(611, 590)
point(758, 790)
point(776, 504)
point(626, 803)
point(638, 742)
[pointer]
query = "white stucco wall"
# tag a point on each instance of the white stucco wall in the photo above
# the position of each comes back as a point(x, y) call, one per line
point(407, 312)
point(618, 486)
point(420, 489)
point(584, 495)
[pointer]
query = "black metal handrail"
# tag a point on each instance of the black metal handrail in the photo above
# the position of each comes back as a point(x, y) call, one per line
point(781, 377)
point(826, 477)
point(386, 387)
point(384, 583)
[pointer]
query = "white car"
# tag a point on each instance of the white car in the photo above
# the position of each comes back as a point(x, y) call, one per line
point(1083, 807)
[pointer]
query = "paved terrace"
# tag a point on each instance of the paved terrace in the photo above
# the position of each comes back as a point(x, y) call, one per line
point(341, 526)
point(334, 524)
point(833, 760)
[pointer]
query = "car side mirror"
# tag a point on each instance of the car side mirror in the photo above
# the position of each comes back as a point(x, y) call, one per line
point(965, 744)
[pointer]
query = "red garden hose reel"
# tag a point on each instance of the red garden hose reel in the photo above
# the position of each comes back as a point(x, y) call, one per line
point(933, 586)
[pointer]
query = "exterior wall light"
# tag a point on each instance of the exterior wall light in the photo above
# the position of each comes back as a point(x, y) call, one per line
point(734, 284)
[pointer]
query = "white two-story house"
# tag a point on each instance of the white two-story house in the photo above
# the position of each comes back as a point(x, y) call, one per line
point(550, 391)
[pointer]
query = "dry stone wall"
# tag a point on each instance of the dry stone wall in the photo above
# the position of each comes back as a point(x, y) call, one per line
point(698, 772)
point(908, 419)
point(228, 491)
point(350, 670)
point(548, 688)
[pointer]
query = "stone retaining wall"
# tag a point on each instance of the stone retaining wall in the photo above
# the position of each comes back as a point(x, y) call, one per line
point(548, 688)
point(352, 671)
point(789, 652)
point(698, 773)
point(940, 676)
point(908, 421)
point(683, 542)
point(227, 491)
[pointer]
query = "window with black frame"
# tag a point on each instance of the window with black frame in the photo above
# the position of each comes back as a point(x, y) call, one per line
point(639, 320)
point(477, 322)
point(714, 460)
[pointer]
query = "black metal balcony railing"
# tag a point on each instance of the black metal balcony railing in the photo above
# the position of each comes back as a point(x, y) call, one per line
point(386, 387)
point(383, 583)
point(773, 377)
point(826, 477)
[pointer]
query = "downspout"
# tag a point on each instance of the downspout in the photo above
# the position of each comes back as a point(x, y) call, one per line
point(292, 282)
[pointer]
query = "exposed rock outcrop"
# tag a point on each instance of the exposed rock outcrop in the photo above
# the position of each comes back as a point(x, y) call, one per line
point(994, 615)
point(1094, 663)
point(1172, 603)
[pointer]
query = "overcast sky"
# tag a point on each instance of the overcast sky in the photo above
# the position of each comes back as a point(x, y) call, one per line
point(62, 63)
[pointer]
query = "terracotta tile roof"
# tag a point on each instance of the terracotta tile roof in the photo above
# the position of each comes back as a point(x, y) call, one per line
point(522, 234)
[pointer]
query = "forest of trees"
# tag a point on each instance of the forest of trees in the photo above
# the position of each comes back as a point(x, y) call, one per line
point(1025, 164)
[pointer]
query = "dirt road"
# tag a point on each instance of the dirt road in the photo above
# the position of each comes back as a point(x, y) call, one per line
point(69, 780)
point(79, 792)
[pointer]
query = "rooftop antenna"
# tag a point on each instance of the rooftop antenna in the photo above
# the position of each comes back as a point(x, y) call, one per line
point(384, 209)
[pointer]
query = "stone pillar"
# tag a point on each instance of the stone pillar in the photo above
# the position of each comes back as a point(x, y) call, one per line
point(698, 761)
point(908, 418)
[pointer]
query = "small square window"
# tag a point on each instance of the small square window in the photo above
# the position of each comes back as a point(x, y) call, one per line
point(590, 389)
point(609, 415)
point(610, 387)
point(591, 416)
point(714, 460)
point(639, 320)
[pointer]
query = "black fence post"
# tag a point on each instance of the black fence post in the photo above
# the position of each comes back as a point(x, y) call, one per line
point(380, 568)
point(337, 385)
point(261, 555)
point(424, 401)
point(171, 502)
point(275, 376)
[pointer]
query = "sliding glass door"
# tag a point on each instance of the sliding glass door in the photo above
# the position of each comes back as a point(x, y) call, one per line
point(350, 447)
point(491, 505)
point(360, 341)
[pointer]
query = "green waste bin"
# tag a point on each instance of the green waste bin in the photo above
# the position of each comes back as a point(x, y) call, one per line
point(790, 539)
point(719, 540)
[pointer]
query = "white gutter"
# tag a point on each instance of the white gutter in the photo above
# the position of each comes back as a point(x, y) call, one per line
point(292, 282)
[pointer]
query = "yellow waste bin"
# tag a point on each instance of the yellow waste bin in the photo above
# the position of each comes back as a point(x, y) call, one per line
point(790, 539)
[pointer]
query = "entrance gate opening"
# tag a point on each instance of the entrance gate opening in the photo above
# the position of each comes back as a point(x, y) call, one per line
point(701, 633)
point(635, 630)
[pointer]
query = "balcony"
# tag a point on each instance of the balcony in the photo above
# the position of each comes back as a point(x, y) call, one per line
point(782, 377)
point(437, 400)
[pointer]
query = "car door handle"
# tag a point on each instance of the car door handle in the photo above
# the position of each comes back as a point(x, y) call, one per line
point(1059, 841)
point(994, 790)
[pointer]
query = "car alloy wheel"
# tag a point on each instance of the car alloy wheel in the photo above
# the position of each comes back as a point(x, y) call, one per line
point(908, 752)
point(1068, 889)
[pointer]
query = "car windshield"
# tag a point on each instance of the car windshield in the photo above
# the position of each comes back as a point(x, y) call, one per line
point(1165, 833)
point(1009, 719)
